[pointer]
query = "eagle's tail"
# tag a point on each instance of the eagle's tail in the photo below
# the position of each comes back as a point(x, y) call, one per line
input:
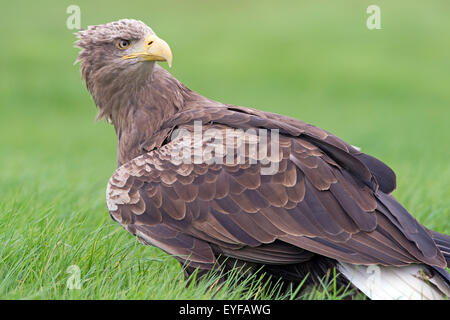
point(412, 282)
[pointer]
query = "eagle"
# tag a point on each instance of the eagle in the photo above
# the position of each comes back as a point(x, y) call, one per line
point(220, 186)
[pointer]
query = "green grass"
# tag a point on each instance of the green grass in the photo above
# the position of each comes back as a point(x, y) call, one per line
point(384, 90)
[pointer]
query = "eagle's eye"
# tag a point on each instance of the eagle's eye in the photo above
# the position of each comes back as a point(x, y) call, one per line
point(122, 44)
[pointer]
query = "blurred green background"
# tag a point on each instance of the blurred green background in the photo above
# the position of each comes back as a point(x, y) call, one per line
point(386, 91)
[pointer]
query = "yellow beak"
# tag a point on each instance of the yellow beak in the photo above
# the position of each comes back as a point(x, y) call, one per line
point(152, 49)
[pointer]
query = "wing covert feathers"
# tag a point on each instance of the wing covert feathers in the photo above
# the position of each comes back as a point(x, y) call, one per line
point(326, 197)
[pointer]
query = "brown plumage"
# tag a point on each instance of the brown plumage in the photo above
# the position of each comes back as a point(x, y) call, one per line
point(327, 202)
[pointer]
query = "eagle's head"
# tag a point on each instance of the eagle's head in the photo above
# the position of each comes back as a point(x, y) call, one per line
point(119, 55)
point(121, 45)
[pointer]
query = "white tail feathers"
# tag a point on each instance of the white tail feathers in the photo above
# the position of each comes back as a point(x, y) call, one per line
point(412, 282)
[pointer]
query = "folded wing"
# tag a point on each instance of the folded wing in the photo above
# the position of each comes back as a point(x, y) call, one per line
point(326, 197)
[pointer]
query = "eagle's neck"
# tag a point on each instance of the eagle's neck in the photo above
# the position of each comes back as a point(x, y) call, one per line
point(143, 108)
point(137, 107)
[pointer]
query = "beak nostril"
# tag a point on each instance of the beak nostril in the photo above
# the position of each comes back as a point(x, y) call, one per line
point(150, 43)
